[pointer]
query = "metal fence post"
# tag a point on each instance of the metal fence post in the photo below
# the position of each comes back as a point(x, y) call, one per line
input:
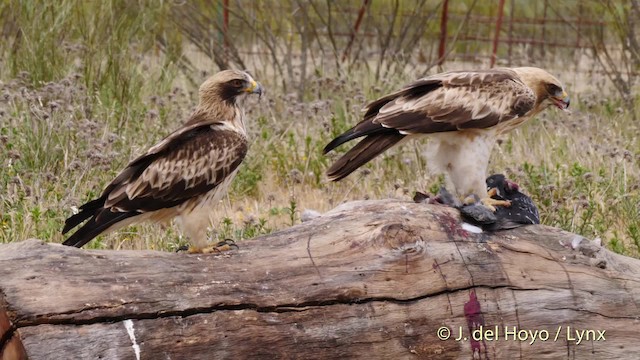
point(496, 38)
point(443, 32)
point(355, 29)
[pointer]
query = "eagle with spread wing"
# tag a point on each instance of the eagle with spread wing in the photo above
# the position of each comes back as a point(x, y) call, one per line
point(183, 176)
point(462, 111)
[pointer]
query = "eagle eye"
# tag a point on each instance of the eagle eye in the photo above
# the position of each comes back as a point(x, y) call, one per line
point(553, 90)
point(236, 83)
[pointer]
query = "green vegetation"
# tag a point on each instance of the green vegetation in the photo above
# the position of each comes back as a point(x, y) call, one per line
point(87, 86)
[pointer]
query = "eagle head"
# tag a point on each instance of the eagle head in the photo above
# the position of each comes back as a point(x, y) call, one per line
point(549, 90)
point(228, 85)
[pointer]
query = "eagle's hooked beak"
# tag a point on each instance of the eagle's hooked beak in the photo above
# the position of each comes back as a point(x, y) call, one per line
point(254, 88)
point(562, 101)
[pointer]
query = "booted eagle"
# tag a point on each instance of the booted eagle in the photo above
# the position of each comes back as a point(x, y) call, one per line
point(462, 111)
point(183, 176)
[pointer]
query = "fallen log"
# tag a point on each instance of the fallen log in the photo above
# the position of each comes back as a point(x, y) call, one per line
point(369, 279)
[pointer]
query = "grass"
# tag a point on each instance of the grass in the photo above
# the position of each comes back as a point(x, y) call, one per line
point(76, 105)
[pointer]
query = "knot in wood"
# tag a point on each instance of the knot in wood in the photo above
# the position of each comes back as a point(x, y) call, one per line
point(396, 236)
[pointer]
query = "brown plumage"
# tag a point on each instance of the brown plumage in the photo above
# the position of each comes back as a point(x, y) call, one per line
point(184, 175)
point(463, 112)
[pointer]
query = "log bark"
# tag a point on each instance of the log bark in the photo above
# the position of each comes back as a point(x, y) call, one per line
point(369, 279)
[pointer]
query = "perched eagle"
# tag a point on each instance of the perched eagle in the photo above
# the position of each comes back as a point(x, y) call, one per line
point(183, 176)
point(462, 111)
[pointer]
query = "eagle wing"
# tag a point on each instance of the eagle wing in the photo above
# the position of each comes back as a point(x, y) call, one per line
point(451, 101)
point(454, 101)
point(190, 162)
point(188, 165)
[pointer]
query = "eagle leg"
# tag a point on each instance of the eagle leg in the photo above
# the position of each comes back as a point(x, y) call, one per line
point(470, 200)
point(491, 203)
point(224, 245)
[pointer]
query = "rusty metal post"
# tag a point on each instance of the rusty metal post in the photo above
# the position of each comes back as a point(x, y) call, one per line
point(544, 27)
point(496, 38)
point(510, 34)
point(443, 32)
point(225, 23)
point(579, 25)
point(365, 3)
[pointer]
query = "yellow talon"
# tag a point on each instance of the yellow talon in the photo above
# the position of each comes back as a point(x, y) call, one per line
point(224, 245)
point(470, 200)
point(492, 203)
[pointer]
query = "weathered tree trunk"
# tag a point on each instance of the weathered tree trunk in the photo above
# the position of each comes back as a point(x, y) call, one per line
point(371, 279)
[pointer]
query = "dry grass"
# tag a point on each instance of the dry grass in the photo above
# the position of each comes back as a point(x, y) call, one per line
point(65, 135)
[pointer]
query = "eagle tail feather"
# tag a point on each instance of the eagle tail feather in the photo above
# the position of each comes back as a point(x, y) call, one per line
point(362, 153)
point(347, 136)
point(86, 211)
point(364, 128)
point(92, 228)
